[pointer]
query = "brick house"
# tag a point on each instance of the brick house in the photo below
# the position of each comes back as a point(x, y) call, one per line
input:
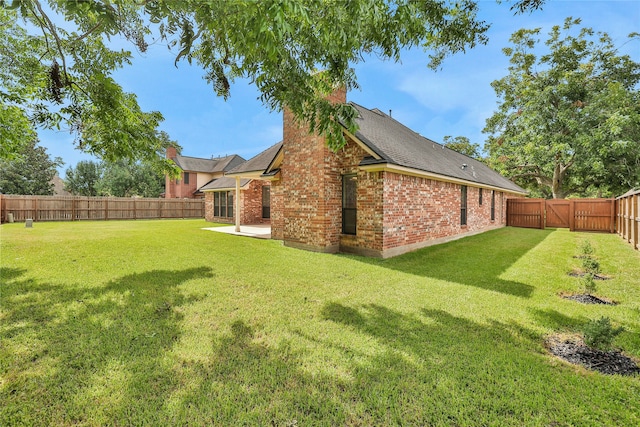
point(253, 190)
point(388, 191)
point(196, 173)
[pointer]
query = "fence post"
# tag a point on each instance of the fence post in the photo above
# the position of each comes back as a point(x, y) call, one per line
point(543, 210)
point(636, 201)
point(612, 215)
point(106, 208)
point(572, 216)
point(135, 216)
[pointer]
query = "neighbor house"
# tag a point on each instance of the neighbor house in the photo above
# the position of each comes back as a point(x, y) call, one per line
point(388, 191)
point(195, 173)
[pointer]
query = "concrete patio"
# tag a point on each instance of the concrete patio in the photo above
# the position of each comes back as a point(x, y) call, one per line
point(260, 231)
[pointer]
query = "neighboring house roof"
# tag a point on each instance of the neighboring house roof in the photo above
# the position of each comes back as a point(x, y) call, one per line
point(224, 183)
point(259, 163)
point(197, 164)
point(58, 186)
point(228, 163)
point(394, 143)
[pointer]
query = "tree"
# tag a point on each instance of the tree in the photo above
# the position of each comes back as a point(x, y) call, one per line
point(30, 172)
point(62, 79)
point(569, 120)
point(463, 145)
point(83, 179)
point(277, 44)
point(128, 179)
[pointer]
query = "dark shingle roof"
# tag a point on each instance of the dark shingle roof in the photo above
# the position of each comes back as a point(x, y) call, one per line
point(223, 184)
point(396, 144)
point(196, 164)
point(258, 163)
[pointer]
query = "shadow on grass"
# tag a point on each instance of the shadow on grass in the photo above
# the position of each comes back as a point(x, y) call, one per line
point(473, 261)
point(553, 319)
point(430, 368)
point(73, 348)
point(105, 356)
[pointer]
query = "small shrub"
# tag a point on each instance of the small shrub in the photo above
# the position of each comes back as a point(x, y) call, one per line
point(600, 334)
point(590, 265)
point(588, 283)
point(586, 248)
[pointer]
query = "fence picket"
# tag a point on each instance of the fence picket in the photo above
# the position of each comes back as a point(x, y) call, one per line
point(74, 208)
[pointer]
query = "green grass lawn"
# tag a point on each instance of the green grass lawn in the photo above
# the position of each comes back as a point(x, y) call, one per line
point(162, 323)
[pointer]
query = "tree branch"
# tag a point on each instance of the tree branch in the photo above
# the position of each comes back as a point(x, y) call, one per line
point(54, 33)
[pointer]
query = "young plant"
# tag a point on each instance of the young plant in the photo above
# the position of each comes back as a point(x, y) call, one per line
point(591, 266)
point(586, 248)
point(588, 283)
point(600, 333)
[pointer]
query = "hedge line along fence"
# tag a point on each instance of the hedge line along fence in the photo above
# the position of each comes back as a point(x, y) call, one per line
point(628, 217)
point(76, 208)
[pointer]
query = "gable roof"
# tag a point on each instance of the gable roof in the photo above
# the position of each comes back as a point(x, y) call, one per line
point(197, 164)
point(394, 143)
point(259, 163)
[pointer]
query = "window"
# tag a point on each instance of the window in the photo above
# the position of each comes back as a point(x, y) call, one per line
point(186, 178)
point(463, 205)
point(493, 205)
point(349, 203)
point(266, 201)
point(223, 204)
point(480, 197)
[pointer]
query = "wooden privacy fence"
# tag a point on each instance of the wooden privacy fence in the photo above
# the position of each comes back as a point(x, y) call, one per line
point(628, 218)
point(575, 214)
point(65, 208)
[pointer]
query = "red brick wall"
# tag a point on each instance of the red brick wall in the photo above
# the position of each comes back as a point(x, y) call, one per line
point(277, 208)
point(181, 190)
point(310, 188)
point(251, 203)
point(420, 210)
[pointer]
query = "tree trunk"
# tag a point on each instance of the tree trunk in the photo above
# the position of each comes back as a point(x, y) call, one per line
point(556, 183)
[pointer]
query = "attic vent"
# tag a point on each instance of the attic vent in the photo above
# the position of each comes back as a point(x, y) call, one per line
point(464, 166)
point(378, 112)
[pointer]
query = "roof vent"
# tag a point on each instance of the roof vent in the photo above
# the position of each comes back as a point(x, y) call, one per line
point(464, 166)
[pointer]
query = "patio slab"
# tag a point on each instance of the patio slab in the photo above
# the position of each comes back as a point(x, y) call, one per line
point(259, 231)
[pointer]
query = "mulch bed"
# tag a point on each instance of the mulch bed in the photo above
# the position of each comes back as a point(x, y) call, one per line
point(595, 276)
point(607, 362)
point(588, 299)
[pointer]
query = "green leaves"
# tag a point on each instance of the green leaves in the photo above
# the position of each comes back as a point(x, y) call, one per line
point(568, 122)
point(29, 171)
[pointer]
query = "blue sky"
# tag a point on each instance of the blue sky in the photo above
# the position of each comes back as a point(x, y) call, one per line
point(455, 100)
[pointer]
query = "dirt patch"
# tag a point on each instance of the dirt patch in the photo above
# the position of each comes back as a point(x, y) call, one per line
point(607, 362)
point(588, 299)
point(595, 276)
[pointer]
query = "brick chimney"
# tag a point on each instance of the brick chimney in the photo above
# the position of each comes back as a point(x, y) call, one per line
point(171, 152)
point(310, 189)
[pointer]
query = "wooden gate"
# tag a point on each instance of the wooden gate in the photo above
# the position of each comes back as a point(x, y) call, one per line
point(575, 214)
point(558, 213)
